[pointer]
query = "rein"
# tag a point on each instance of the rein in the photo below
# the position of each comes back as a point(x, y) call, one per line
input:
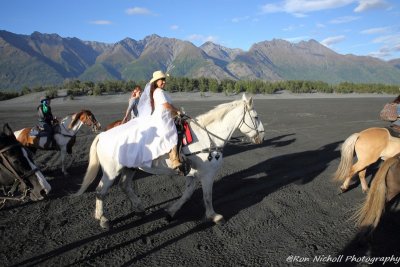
point(213, 147)
point(7, 167)
point(91, 124)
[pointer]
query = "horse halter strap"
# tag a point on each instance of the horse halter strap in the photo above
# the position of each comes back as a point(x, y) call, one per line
point(212, 147)
point(10, 169)
point(90, 121)
point(254, 127)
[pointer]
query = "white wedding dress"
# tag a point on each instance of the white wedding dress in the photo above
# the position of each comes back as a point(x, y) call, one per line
point(139, 141)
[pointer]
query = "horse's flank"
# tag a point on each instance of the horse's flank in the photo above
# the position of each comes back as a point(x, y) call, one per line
point(25, 139)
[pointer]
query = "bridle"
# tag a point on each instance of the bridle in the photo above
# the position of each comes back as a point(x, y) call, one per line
point(214, 149)
point(254, 127)
point(7, 167)
point(89, 121)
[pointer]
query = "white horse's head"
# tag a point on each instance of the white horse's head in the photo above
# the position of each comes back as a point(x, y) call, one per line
point(251, 125)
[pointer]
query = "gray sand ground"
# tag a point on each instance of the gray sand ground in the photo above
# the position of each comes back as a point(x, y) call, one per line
point(278, 198)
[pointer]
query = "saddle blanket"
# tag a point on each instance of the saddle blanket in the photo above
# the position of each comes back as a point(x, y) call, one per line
point(37, 132)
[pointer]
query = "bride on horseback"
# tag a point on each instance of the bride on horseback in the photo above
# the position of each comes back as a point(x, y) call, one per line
point(139, 141)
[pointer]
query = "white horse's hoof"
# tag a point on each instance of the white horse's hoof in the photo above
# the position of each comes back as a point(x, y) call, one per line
point(104, 223)
point(219, 219)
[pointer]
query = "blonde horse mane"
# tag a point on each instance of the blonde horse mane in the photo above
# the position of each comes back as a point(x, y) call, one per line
point(218, 113)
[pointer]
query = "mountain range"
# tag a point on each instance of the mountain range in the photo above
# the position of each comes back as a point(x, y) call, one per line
point(48, 59)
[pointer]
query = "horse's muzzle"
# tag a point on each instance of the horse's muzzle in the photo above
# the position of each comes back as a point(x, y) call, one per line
point(258, 140)
point(36, 196)
point(96, 127)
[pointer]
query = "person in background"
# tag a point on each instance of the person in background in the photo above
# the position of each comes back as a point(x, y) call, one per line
point(396, 124)
point(133, 103)
point(46, 120)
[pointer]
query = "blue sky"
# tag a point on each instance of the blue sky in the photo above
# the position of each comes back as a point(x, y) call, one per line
point(359, 27)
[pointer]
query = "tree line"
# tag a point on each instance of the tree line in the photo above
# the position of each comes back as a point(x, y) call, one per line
point(205, 85)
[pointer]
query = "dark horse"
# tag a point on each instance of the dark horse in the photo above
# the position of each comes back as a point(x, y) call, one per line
point(20, 178)
point(384, 188)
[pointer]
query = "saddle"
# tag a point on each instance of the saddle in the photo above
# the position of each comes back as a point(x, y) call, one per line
point(38, 132)
point(184, 139)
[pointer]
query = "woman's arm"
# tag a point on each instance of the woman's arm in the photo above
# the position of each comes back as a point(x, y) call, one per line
point(170, 107)
point(128, 110)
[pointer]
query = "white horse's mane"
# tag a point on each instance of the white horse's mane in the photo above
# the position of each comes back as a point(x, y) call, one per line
point(218, 112)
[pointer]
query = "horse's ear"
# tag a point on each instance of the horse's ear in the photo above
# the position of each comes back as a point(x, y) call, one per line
point(7, 130)
point(248, 100)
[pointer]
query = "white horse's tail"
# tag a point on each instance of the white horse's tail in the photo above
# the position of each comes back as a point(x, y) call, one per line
point(93, 167)
point(346, 158)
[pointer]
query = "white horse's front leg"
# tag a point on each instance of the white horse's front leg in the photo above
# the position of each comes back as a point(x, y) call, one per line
point(63, 153)
point(207, 182)
point(190, 187)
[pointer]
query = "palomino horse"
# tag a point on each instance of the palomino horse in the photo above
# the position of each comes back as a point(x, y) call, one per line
point(210, 132)
point(18, 173)
point(64, 134)
point(369, 145)
point(384, 187)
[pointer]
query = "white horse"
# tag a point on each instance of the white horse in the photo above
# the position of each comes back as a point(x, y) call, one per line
point(64, 134)
point(210, 132)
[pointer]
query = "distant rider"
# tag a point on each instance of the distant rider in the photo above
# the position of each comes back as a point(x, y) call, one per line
point(396, 124)
point(46, 120)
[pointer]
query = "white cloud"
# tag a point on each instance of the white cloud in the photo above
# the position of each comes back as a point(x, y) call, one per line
point(138, 11)
point(387, 52)
point(101, 22)
point(300, 7)
point(201, 38)
point(379, 54)
point(328, 42)
point(174, 27)
point(376, 30)
point(364, 5)
point(342, 20)
point(293, 27)
point(239, 19)
point(297, 39)
point(391, 39)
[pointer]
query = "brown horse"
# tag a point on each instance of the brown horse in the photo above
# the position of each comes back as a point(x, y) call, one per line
point(113, 124)
point(64, 134)
point(385, 186)
point(369, 145)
